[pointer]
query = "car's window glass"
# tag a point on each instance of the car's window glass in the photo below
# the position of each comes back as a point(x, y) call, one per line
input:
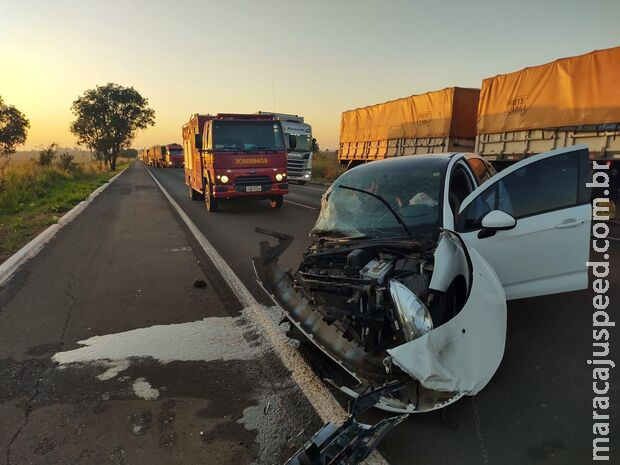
point(490, 169)
point(414, 193)
point(480, 170)
point(540, 187)
point(460, 187)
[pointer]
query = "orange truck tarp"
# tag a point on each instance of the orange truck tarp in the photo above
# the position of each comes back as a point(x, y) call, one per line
point(449, 112)
point(573, 91)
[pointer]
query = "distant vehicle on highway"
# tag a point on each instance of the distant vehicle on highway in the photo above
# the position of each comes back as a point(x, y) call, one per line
point(173, 156)
point(412, 261)
point(164, 156)
point(231, 156)
point(154, 156)
point(298, 138)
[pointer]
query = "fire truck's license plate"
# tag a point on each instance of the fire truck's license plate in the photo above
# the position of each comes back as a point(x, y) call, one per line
point(253, 188)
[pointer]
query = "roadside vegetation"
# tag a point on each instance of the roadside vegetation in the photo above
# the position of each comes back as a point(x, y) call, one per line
point(325, 166)
point(35, 193)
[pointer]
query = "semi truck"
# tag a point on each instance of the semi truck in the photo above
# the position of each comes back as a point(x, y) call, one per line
point(433, 122)
point(569, 101)
point(233, 156)
point(155, 155)
point(163, 156)
point(298, 139)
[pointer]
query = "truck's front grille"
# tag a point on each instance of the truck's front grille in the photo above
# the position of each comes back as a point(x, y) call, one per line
point(244, 181)
point(296, 168)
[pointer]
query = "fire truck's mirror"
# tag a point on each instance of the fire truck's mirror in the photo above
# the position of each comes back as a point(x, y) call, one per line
point(198, 141)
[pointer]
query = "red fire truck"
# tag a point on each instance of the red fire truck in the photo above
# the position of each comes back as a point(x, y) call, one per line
point(229, 156)
point(173, 156)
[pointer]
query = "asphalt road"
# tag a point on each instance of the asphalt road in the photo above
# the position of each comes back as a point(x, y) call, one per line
point(124, 271)
point(231, 230)
point(109, 354)
point(538, 407)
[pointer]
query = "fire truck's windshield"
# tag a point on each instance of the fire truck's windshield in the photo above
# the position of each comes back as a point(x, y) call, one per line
point(247, 135)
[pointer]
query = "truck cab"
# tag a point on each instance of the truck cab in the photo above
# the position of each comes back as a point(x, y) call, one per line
point(298, 139)
point(232, 156)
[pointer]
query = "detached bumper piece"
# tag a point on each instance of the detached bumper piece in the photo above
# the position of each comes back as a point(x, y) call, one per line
point(328, 337)
point(353, 441)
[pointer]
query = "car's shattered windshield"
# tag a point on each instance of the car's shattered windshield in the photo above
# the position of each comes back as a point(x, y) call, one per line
point(413, 194)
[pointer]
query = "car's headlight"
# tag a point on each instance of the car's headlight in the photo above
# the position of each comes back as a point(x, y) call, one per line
point(279, 177)
point(412, 313)
point(224, 179)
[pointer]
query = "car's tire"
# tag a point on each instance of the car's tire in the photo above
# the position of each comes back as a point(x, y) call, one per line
point(276, 202)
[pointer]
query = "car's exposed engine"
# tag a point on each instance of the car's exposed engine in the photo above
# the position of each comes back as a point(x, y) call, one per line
point(357, 288)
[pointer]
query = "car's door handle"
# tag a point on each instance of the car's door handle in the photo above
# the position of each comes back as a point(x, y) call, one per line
point(569, 223)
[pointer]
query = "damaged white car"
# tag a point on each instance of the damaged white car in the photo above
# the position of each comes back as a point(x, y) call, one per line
point(412, 261)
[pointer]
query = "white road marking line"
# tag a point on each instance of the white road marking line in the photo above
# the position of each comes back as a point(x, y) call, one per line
point(301, 205)
point(312, 387)
point(309, 188)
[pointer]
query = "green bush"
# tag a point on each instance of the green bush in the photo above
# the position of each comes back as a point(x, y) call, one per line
point(66, 162)
point(46, 156)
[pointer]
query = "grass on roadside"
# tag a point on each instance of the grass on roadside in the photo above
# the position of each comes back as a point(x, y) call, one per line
point(325, 167)
point(34, 197)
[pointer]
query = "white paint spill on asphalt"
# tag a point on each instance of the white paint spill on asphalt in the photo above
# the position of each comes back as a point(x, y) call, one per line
point(114, 368)
point(216, 338)
point(144, 390)
point(312, 387)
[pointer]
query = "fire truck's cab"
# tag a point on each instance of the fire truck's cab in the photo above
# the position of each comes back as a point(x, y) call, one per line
point(230, 156)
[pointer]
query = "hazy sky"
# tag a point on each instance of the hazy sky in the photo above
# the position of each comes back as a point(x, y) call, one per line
point(312, 58)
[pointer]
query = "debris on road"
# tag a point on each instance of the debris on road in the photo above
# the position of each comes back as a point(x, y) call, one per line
point(144, 390)
point(352, 442)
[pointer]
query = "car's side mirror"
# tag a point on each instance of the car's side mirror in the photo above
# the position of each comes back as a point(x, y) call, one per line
point(496, 220)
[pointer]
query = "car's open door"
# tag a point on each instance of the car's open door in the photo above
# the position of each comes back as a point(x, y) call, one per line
point(531, 222)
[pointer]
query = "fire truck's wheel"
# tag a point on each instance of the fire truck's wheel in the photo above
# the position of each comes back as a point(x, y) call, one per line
point(211, 202)
point(194, 195)
point(276, 202)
